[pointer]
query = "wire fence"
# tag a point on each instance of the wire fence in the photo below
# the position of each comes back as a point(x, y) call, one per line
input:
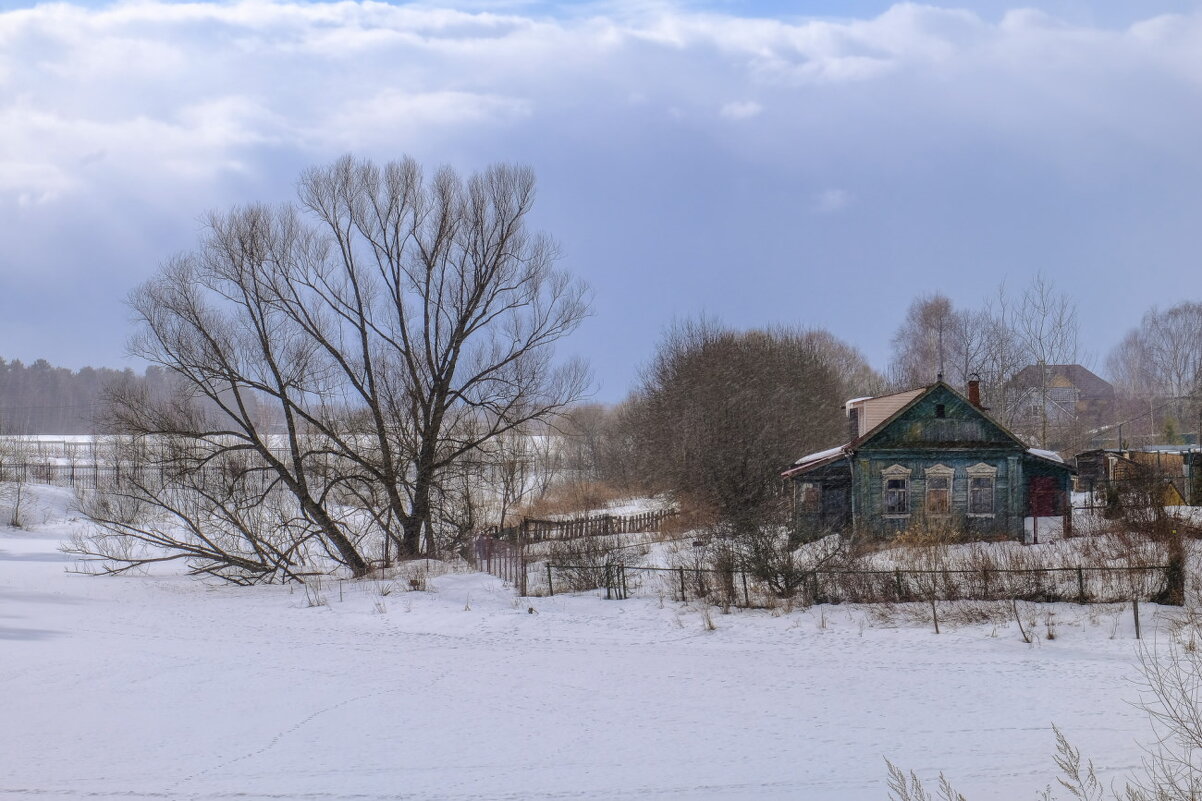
point(743, 586)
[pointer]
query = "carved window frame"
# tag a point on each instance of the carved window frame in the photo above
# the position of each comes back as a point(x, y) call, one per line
point(982, 483)
point(895, 499)
point(934, 476)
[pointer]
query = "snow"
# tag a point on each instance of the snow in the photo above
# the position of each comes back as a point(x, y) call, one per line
point(1049, 455)
point(167, 687)
point(819, 456)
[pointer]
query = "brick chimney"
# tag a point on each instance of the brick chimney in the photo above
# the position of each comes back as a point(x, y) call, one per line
point(974, 391)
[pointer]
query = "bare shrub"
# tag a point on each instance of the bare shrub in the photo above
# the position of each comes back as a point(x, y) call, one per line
point(14, 497)
point(572, 498)
point(586, 563)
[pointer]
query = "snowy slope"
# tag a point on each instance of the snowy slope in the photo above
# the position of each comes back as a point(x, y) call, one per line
point(165, 687)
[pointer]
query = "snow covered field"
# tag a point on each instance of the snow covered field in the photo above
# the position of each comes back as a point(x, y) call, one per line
point(166, 687)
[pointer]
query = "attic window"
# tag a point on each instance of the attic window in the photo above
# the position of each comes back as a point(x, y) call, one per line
point(940, 410)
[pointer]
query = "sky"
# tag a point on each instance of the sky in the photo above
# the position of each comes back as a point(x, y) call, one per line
point(801, 163)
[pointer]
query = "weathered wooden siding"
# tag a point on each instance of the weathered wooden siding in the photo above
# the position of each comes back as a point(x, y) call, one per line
point(961, 426)
point(1009, 495)
point(938, 429)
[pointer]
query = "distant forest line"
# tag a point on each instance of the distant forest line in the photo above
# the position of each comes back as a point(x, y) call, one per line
point(40, 398)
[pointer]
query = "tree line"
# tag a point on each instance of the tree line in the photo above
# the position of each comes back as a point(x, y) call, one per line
point(40, 398)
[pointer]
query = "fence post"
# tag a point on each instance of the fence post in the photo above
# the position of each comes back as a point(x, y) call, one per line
point(1135, 611)
point(683, 595)
point(550, 581)
point(746, 597)
point(1080, 585)
point(622, 575)
point(897, 582)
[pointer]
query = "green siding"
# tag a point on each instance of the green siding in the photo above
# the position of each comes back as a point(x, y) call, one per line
point(958, 436)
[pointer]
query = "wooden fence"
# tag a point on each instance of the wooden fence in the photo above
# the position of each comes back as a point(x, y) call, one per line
point(532, 530)
point(502, 551)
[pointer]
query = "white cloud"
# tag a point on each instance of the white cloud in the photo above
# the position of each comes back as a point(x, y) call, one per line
point(200, 87)
point(741, 110)
point(120, 118)
point(832, 200)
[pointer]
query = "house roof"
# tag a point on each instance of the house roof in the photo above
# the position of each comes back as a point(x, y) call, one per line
point(819, 459)
point(1087, 383)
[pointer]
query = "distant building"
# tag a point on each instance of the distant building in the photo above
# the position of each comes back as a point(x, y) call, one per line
point(1046, 400)
point(926, 457)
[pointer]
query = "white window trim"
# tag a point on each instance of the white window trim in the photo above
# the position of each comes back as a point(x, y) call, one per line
point(939, 471)
point(895, 472)
point(982, 470)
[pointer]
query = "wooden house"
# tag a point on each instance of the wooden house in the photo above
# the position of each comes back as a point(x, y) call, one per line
point(1172, 472)
point(930, 457)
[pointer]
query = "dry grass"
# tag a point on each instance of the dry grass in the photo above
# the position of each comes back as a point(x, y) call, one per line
point(572, 498)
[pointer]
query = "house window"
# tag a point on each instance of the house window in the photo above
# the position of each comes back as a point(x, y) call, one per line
point(810, 497)
point(897, 491)
point(897, 496)
point(940, 410)
point(939, 500)
point(980, 495)
point(982, 486)
point(939, 490)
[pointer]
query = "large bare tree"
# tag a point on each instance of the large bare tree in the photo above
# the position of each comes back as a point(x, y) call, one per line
point(361, 343)
point(720, 413)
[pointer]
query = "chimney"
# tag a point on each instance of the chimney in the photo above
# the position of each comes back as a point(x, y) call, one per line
point(974, 391)
point(853, 424)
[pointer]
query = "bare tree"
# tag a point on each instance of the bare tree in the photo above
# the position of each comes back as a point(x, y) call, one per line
point(1046, 328)
point(361, 344)
point(924, 341)
point(936, 339)
point(720, 413)
point(1158, 366)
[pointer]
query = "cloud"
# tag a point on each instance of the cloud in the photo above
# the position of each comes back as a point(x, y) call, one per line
point(833, 200)
point(741, 110)
point(120, 123)
point(201, 88)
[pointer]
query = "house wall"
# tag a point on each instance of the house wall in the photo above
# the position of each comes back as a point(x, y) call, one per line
point(1008, 500)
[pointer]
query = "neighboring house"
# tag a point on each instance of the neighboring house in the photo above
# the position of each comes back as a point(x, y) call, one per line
point(927, 457)
point(1174, 471)
point(1056, 395)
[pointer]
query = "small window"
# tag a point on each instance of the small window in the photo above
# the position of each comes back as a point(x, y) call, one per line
point(940, 410)
point(939, 495)
point(980, 495)
point(810, 497)
point(897, 496)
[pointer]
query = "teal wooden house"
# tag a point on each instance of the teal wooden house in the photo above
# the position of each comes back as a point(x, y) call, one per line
point(930, 457)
